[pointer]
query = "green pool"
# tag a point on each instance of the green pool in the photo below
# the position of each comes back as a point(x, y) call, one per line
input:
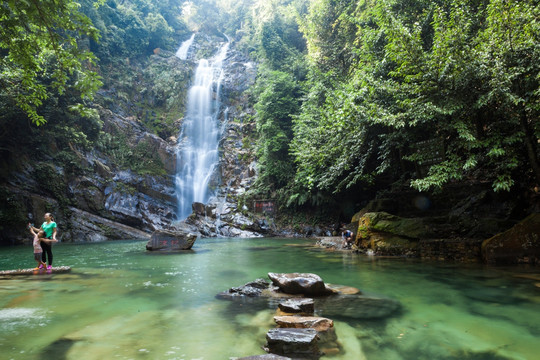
point(120, 302)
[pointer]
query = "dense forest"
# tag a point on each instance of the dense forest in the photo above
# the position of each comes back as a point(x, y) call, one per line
point(353, 99)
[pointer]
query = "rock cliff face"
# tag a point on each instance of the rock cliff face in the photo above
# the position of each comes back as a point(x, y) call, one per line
point(127, 188)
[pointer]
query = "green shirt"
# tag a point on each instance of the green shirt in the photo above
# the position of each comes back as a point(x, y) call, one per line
point(48, 228)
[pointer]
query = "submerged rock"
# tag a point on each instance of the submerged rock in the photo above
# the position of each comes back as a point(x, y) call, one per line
point(357, 306)
point(167, 240)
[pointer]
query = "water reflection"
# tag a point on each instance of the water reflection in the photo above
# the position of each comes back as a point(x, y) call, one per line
point(120, 302)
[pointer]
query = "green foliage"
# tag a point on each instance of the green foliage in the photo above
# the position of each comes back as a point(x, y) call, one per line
point(277, 95)
point(388, 74)
point(40, 53)
point(131, 28)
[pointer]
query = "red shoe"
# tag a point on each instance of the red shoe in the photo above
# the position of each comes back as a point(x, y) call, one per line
point(40, 266)
point(49, 267)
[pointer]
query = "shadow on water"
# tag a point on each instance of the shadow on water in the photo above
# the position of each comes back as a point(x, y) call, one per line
point(57, 350)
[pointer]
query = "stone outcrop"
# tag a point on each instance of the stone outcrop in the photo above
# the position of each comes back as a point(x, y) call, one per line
point(224, 219)
point(87, 227)
point(389, 234)
point(169, 240)
point(520, 244)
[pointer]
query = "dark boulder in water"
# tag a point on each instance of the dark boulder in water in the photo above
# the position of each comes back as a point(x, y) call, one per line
point(168, 240)
point(297, 343)
point(300, 283)
point(251, 289)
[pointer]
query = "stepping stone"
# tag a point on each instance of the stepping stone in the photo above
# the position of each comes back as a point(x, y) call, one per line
point(293, 342)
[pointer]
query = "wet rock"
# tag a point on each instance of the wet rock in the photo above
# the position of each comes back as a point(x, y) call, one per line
point(303, 306)
point(300, 343)
point(168, 240)
point(520, 244)
point(198, 208)
point(251, 289)
point(304, 322)
point(325, 327)
point(300, 283)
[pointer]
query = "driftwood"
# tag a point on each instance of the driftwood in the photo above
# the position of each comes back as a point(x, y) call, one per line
point(54, 270)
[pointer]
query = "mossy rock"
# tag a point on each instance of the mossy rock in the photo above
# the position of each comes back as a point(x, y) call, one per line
point(411, 228)
point(388, 234)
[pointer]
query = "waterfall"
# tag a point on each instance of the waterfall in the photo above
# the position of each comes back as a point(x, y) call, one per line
point(197, 154)
point(182, 51)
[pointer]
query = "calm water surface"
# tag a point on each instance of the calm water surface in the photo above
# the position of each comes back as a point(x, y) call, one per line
point(120, 302)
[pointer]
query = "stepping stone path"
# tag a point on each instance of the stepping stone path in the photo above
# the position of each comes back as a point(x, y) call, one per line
point(300, 334)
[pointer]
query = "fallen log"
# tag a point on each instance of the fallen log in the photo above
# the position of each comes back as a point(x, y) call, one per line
point(55, 270)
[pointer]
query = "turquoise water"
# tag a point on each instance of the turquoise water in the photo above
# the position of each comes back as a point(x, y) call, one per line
point(120, 302)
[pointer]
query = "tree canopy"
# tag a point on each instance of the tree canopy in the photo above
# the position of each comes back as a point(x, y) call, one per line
point(40, 52)
point(391, 82)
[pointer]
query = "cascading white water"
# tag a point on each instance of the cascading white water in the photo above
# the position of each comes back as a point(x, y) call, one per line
point(197, 154)
point(182, 51)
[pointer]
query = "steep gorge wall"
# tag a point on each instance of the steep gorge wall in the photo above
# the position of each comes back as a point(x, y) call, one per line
point(126, 186)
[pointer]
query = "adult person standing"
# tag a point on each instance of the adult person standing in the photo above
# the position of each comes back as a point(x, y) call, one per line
point(49, 227)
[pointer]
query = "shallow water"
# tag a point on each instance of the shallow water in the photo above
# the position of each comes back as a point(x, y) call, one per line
point(120, 302)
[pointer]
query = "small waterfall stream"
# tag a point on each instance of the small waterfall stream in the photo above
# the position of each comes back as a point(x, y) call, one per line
point(197, 154)
point(182, 51)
